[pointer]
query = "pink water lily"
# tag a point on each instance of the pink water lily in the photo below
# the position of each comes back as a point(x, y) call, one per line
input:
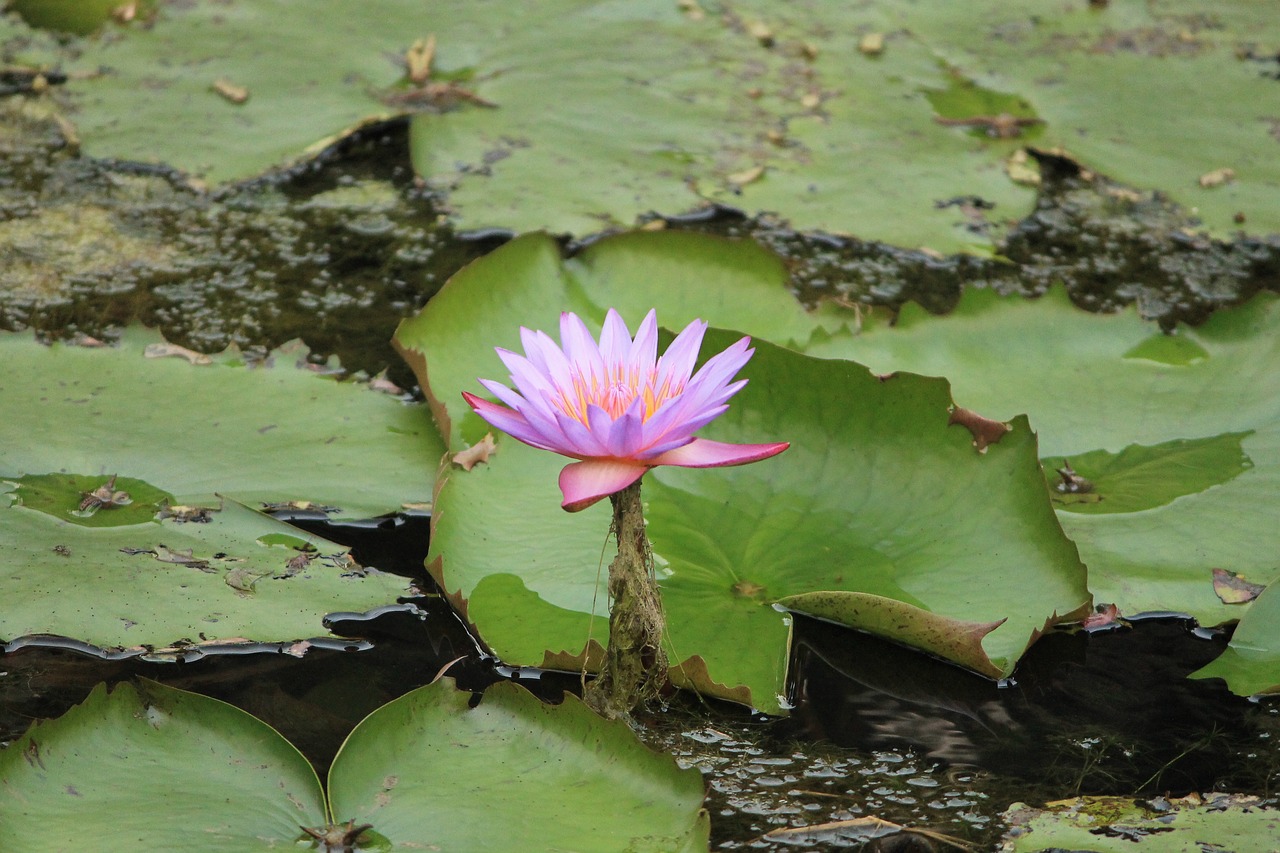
point(615, 405)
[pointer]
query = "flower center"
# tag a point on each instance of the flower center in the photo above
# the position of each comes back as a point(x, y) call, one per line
point(615, 392)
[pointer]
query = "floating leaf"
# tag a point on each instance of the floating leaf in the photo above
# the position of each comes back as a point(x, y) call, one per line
point(161, 584)
point(1191, 824)
point(1251, 663)
point(1139, 478)
point(266, 433)
point(228, 782)
point(1178, 435)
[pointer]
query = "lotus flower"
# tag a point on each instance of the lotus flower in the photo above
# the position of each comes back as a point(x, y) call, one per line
point(615, 406)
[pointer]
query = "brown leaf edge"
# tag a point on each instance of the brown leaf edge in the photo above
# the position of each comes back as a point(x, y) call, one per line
point(985, 430)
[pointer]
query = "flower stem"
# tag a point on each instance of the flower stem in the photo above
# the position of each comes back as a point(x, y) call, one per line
point(635, 664)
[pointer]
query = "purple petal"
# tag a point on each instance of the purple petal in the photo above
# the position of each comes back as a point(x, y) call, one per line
point(704, 453)
point(627, 432)
point(583, 443)
point(541, 418)
point(676, 364)
point(512, 423)
point(644, 349)
point(615, 340)
point(580, 348)
point(584, 483)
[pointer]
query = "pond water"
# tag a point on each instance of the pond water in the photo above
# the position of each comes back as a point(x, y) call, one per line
point(340, 251)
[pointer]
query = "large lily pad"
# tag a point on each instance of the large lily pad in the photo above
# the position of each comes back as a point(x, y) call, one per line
point(1179, 435)
point(269, 433)
point(182, 561)
point(155, 768)
point(873, 506)
point(226, 92)
point(161, 584)
point(794, 109)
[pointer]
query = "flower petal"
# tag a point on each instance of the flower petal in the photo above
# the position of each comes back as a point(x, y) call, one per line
point(676, 365)
point(615, 340)
point(704, 453)
point(512, 423)
point(580, 348)
point(643, 352)
point(584, 483)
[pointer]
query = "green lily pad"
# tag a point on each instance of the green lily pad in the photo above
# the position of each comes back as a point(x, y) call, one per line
point(1188, 825)
point(787, 109)
point(304, 79)
point(1139, 478)
point(155, 768)
point(425, 770)
point(1251, 663)
point(165, 584)
point(1184, 433)
point(183, 563)
point(271, 433)
point(875, 498)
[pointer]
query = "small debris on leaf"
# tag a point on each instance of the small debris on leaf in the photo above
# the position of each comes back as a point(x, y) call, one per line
point(872, 44)
point(1105, 615)
point(418, 59)
point(1072, 483)
point(242, 580)
point(1020, 169)
point(343, 836)
point(1002, 126)
point(297, 564)
point(62, 550)
point(385, 385)
point(105, 496)
point(230, 91)
point(476, 453)
point(298, 649)
point(761, 32)
point(1232, 588)
point(181, 513)
point(173, 350)
point(125, 12)
point(1217, 178)
point(985, 430)
point(181, 558)
point(692, 9)
point(746, 176)
point(298, 506)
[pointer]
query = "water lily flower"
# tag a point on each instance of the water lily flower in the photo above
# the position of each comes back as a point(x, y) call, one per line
point(615, 406)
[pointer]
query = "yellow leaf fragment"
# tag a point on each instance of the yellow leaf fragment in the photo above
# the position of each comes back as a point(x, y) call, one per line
point(746, 176)
point(418, 59)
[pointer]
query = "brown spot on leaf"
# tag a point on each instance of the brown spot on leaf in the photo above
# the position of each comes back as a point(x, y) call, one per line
point(1232, 588)
point(985, 430)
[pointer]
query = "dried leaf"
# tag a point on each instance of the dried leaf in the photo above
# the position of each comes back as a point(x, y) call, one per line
point(872, 44)
point(167, 350)
point(418, 59)
point(985, 430)
point(746, 176)
point(1217, 177)
point(230, 91)
point(242, 580)
point(1107, 614)
point(476, 453)
point(1232, 588)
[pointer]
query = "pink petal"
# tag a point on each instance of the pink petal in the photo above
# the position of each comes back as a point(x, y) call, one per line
point(584, 483)
point(704, 453)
